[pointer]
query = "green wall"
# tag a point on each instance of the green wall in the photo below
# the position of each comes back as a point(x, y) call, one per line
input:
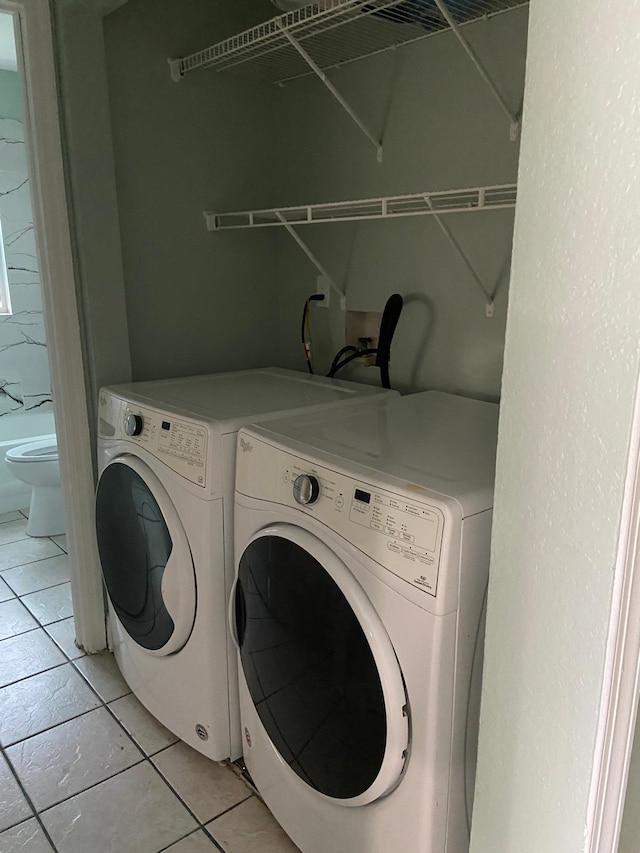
point(197, 302)
point(10, 95)
point(442, 130)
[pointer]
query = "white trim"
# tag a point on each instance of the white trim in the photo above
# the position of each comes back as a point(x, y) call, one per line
point(5, 293)
point(61, 311)
point(619, 703)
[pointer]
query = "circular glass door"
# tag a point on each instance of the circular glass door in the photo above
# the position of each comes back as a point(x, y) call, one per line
point(145, 556)
point(319, 667)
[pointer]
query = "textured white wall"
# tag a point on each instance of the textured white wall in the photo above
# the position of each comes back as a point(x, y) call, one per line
point(571, 367)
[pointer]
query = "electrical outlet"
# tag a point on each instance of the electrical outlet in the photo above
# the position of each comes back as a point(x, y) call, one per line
point(323, 286)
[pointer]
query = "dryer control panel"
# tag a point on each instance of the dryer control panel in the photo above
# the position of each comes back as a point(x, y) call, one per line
point(402, 533)
point(181, 444)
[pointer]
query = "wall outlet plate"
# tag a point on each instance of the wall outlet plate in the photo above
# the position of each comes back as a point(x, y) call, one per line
point(359, 325)
point(323, 286)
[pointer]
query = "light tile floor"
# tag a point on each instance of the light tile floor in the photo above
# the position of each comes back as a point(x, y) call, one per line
point(84, 768)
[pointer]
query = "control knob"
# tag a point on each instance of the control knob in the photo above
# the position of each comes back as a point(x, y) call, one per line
point(133, 424)
point(306, 489)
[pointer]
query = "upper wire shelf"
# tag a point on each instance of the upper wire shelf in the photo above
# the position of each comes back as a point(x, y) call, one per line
point(335, 32)
point(495, 197)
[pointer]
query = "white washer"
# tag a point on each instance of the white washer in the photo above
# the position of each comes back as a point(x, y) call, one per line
point(358, 616)
point(164, 521)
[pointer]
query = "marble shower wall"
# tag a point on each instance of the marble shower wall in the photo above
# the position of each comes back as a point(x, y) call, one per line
point(25, 382)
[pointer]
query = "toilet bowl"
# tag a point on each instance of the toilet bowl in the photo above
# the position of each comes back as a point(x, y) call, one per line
point(36, 464)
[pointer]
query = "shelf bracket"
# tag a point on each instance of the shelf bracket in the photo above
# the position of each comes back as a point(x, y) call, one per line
point(514, 120)
point(175, 69)
point(463, 256)
point(312, 258)
point(336, 94)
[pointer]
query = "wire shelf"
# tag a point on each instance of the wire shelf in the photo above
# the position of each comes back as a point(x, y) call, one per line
point(335, 32)
point(495, 197)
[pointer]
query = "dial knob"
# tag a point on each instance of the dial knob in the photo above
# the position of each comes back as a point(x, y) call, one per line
point(306, 489)
point(133, 424)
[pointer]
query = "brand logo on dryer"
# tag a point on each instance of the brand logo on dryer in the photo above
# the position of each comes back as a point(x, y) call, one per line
point(245, 445)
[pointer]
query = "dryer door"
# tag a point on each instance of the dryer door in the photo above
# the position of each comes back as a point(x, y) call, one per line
point(146, 560)
point(320, 667)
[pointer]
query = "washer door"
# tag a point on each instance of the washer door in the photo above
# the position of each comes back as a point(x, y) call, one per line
point(319, 666)
point(146, 560)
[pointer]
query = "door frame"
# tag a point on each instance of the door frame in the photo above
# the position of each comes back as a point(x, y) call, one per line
point(619, 701)
point(62, 315)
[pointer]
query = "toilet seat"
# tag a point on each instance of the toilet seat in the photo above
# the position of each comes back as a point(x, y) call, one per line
point(43, 450)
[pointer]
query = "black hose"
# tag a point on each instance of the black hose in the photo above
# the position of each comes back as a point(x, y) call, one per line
point(390, 317)
point(336, 358)
point(316, 297)
point(352, 357)
point(302, 339)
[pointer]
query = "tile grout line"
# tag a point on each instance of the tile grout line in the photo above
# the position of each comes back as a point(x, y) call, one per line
point(175, 792)
point(37, 559)
point(33, 591)
point(169, 785)
point(226, 811)
point(40, 672)
point(35, 813)
point(32, 562)
point(42, 627)
point(193, 832)
point(49, 729)
point(144, 758)
point(179, 798)
point(38, 626)
point(105, 704)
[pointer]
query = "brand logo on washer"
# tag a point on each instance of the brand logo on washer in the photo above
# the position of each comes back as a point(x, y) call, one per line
point(246, 445)
point(201, 731)
point(247, 736)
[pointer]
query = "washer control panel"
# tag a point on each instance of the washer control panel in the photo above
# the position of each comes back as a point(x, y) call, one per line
point(402, 533)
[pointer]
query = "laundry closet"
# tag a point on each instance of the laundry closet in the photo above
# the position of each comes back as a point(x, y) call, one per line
point(222, 141)
point(187, 300)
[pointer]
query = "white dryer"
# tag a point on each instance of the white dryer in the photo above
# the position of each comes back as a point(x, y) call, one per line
point(362, 544)
point(164, 522)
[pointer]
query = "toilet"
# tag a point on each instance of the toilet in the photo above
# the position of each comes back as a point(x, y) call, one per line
point(36, 464)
